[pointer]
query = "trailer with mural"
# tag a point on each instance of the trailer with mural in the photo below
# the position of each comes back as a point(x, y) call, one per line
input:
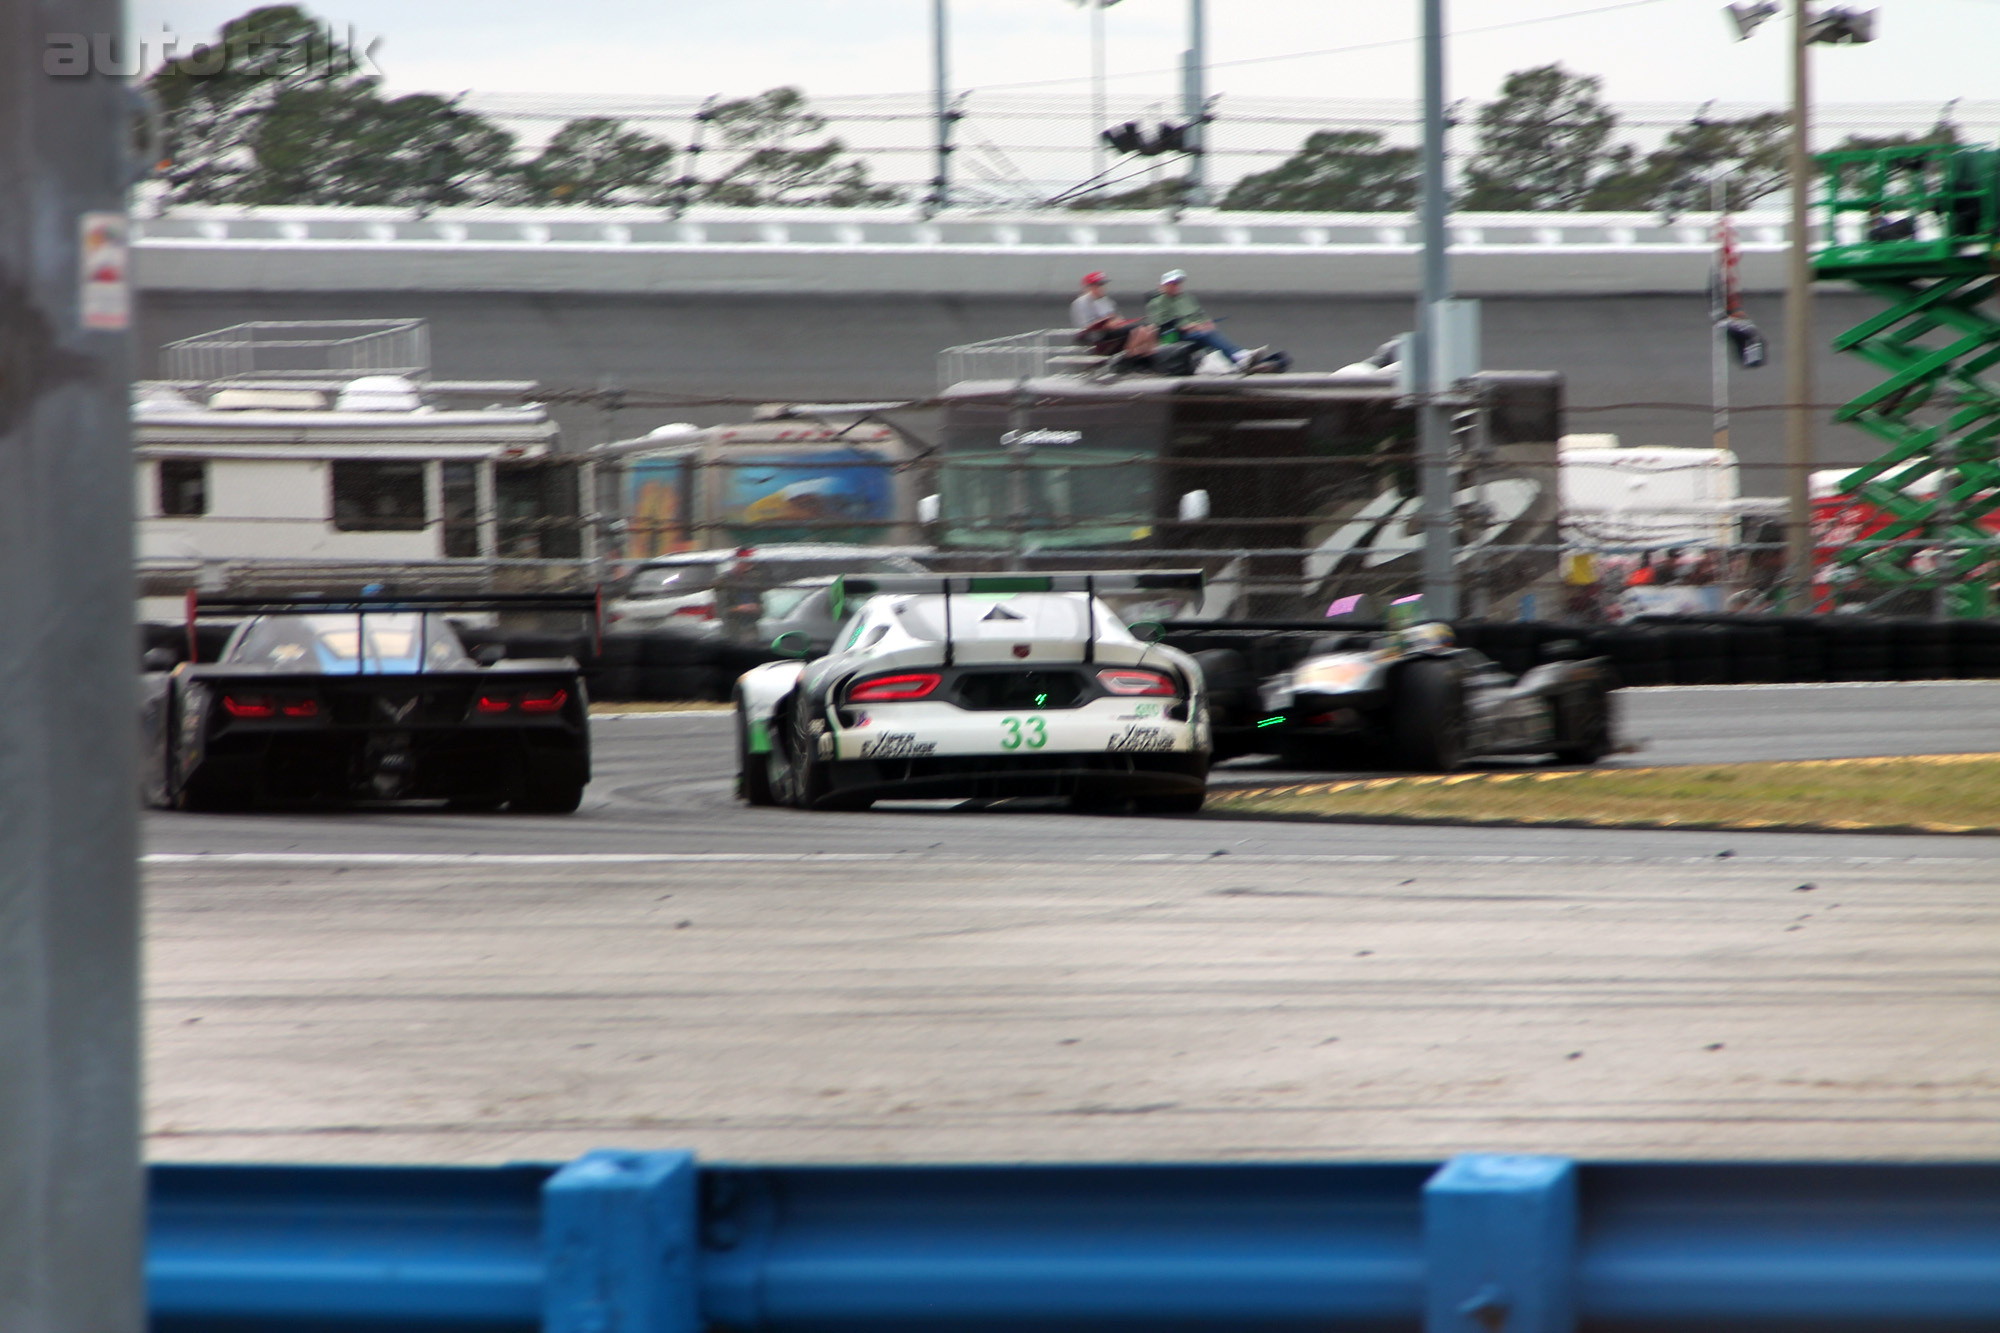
point(686, 488)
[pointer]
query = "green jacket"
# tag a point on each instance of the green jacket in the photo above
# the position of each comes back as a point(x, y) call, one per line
point(1165, 311)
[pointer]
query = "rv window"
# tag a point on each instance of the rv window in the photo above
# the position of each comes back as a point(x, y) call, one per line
point(183, 488)
point(461, 509)
point(378, 497)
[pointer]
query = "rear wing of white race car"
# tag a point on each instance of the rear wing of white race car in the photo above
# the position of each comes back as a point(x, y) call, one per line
point(949, 585)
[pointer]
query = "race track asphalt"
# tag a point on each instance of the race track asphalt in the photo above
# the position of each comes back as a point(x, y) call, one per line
point(668, 968)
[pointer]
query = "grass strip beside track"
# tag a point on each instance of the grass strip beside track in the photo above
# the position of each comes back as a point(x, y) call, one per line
point(1921, 794)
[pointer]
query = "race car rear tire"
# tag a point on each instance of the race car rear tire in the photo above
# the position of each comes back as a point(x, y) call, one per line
point(1176, 803)
point(753, 771)
point(1231, 685)
point(797, 776)
point(1429, 722)
point(214, 796)
point(1583, 719)
point(553, 798)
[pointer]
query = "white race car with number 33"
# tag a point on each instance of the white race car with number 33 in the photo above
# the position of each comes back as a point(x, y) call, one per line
point(982, 686)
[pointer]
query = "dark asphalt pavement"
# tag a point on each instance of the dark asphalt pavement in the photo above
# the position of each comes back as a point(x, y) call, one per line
point(663, 787)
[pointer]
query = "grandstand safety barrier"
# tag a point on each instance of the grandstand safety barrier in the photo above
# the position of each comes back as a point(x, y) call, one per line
point(1654, 650)
point(653, 1242)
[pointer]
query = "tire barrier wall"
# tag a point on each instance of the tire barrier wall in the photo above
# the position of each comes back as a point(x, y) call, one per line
point(1663, 650)
point(655, 666)
point(658, 1241)
point(1673, 650)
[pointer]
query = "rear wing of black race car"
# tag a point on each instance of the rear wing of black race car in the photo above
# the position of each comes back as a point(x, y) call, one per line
point(949, 585)
point(588, 603)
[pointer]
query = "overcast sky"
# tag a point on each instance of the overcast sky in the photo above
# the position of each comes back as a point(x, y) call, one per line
point(1646, 50)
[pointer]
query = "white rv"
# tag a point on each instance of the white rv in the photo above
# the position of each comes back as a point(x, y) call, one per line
point(362, 470)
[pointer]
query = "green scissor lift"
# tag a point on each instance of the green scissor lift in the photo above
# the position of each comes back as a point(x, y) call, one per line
point(1919, 227)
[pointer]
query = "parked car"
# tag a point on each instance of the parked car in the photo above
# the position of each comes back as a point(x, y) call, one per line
point(716, 593)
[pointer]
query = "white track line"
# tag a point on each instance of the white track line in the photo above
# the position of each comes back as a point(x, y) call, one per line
point(1811, 685)
point(503, 859)
point(500, 858)
point(678, 712)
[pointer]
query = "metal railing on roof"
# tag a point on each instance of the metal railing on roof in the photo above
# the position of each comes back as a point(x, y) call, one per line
point(269, 349)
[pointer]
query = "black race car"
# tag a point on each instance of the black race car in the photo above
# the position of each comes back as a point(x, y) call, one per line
point(1409, 699)
point(317, 701)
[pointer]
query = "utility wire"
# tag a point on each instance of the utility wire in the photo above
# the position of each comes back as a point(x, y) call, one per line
point(1308, 55)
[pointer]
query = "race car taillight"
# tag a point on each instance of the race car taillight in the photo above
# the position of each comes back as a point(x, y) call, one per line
point(1132, 680)
point(894, 689)
point(492, 704)
point(544, 703)
point(270, 705)
point(698, 611)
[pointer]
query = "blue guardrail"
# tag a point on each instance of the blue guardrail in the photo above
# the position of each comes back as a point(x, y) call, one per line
point(627, 1242)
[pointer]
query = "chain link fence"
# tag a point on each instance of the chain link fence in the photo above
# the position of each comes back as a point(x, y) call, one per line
point(1024, 148)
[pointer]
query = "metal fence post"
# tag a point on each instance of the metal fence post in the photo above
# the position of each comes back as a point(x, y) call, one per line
point(620, 1240)
point(1500, 1242)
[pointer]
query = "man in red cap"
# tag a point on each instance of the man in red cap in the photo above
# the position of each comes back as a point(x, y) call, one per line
point(1098, 325)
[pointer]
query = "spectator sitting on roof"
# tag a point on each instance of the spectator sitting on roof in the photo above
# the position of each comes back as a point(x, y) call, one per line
point(1178, 316)
point(1099, 326)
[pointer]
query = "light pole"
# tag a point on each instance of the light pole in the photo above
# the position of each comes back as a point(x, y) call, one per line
point(1194, 105)
point(1097, 112)
point(941, 186)
point(1833, 25)
point(1440, 586)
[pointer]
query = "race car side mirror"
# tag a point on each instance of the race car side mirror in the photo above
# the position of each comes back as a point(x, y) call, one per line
point(486, 654)
point(158, 659)
point(1148, 631)
point(1561, 650)
point(793, 643)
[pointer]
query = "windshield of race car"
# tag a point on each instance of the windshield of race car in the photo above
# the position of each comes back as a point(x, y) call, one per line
point(374, 643)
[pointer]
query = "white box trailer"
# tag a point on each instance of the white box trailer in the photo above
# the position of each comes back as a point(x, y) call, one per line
point(1647, 497)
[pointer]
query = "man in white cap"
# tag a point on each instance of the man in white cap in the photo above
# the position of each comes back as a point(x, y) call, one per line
point(1179, 317)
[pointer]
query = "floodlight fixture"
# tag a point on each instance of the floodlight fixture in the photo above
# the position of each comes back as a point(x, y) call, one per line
point(1749, 16)
point(1840, 26)
point(1126, 138)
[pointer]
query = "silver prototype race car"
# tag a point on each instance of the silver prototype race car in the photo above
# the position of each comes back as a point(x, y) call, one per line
point(1409, 699)
point(979, 686)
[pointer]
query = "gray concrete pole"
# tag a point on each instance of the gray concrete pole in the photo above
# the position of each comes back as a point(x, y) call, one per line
point(1097, 111)
point(1194, 103)
point(70, 1181)
point(1433, 419)
point(941, 71)
point(1799, 330)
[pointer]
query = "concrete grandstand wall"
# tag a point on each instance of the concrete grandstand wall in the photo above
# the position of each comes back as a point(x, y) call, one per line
point(781, 312)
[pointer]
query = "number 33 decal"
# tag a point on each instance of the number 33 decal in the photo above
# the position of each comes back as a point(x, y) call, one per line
point(1035, 736)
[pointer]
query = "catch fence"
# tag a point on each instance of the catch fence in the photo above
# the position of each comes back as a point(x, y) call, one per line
point(1015, 148)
